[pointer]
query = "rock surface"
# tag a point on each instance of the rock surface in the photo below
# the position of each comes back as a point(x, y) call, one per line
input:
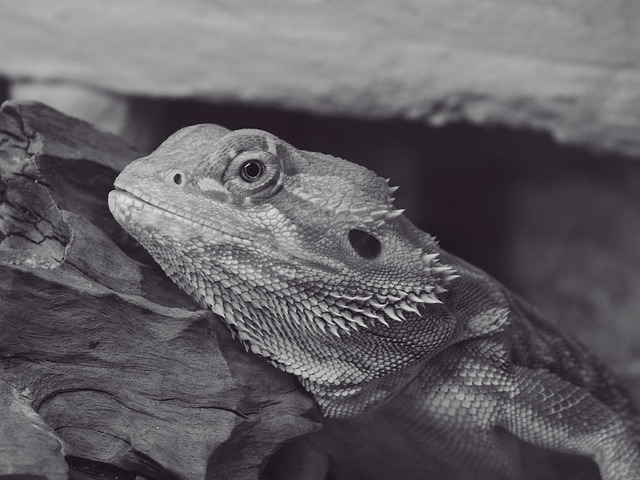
point(569, 68)
point(104, 362)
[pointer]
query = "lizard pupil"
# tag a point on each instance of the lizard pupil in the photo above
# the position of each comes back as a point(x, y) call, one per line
point(251, 170)
point(365, 244)
point(177, 179)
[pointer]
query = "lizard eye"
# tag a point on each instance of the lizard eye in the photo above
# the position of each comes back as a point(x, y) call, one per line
point(252, 170)
point(365, 244)
point(253, 173)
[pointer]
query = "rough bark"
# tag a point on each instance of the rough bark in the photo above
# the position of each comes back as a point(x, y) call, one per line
point(105, 365)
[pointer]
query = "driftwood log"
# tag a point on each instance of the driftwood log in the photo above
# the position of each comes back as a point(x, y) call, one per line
point(107, 369)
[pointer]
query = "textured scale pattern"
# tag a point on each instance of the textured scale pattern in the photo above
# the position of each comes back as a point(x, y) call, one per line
point(424, 366)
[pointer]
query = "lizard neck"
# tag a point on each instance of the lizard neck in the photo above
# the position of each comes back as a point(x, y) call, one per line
point(474, 307)
point(348, 370)
point(356, 372)
point(347, 367)
point(344, 401)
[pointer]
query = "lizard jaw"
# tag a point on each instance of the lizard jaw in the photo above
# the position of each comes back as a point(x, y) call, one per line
point(125, 203)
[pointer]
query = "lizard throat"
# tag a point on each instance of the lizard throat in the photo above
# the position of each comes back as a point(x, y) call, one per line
point(321, 302)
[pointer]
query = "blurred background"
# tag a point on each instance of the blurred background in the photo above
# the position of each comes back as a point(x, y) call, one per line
point(512, 127)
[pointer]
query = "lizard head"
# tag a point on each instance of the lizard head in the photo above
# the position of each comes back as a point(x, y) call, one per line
point(302, 254)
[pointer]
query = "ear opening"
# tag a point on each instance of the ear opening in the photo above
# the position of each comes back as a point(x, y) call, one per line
point(365, 244)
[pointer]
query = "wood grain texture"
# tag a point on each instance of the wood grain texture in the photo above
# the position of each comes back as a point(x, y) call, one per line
point(111, 361)
point(28, 446)
point(571, 69)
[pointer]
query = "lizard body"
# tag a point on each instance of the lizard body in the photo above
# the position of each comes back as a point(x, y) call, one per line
point(425, 357)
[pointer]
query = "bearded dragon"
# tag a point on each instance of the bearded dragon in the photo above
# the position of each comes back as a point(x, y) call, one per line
point(436, 370)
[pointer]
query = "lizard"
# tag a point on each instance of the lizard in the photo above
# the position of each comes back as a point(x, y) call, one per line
point(424, 357)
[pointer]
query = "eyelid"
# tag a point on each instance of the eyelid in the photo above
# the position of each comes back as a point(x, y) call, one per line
point(266, 157)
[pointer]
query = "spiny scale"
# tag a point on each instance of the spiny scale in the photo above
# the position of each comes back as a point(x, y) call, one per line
point(346, 311)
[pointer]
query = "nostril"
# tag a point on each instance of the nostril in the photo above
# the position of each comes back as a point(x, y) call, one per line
point(175, 178)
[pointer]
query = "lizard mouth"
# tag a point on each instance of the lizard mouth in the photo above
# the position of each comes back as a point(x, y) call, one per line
point(137, 211)
point(125, 199)
point(131, 207)
point(127, 207)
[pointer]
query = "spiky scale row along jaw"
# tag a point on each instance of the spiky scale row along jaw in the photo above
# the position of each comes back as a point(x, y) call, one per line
point(302, 254)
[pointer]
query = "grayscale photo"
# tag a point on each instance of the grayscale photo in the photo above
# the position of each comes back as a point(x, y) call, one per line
point(320, 240)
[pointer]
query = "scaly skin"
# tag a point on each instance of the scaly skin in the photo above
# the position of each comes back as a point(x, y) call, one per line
point(432, 368)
